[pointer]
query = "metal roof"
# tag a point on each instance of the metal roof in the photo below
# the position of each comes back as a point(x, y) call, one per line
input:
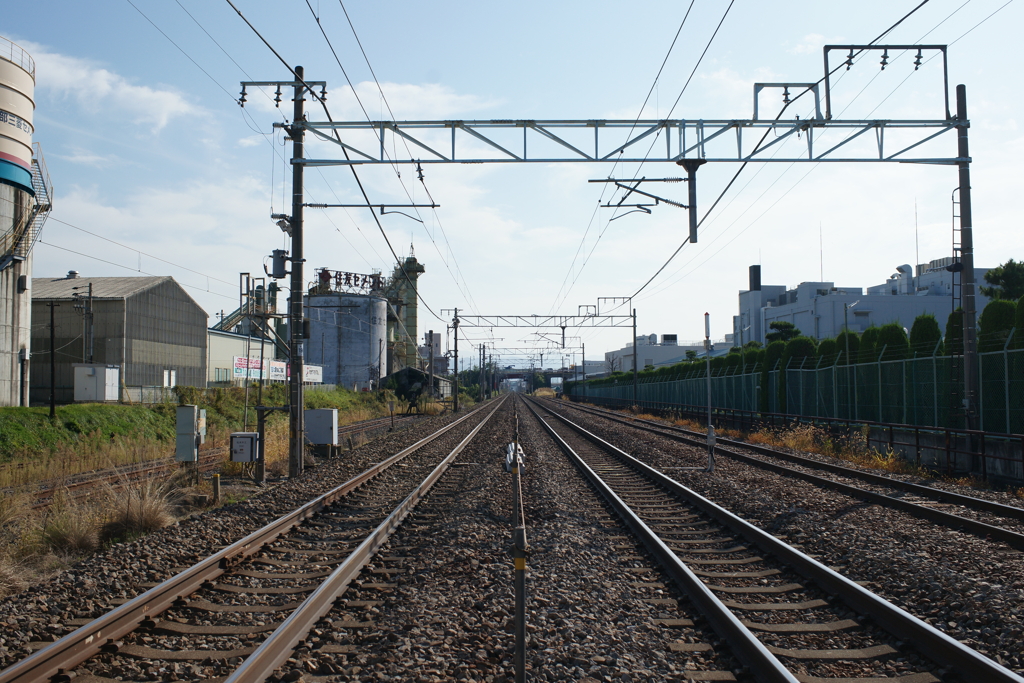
point(102, 287)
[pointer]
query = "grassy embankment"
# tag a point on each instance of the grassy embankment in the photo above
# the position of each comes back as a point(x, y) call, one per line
point(33, 448)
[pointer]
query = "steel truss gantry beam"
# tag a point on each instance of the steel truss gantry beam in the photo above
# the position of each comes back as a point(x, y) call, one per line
point(555, 321)
point(683, 138)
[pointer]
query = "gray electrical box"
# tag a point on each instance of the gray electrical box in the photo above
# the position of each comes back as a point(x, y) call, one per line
point(245, 446)
point(322, 427)
point(187, 438)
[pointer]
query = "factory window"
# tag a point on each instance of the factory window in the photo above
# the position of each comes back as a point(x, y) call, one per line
point(170, 378)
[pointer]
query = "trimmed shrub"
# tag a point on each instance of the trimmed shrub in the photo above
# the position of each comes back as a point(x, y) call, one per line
point(868, 352)
point(996, 321)
point(925, 335)
point(828, 350)
point(892, 342)
point(849, 340)
point(954, 339)
point(797, 349)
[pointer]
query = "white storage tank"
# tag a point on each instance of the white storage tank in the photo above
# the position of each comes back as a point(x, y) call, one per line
point(18, 223)
point(347, 337)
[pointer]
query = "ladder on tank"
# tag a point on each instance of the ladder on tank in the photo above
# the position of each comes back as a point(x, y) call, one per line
point(27, 233)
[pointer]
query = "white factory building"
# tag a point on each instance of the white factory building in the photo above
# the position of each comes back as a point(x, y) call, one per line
point(651, 352)
point(821, 309)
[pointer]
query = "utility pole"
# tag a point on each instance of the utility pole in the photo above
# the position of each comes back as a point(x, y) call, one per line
point(481, 380)
point(293, 226)
point(296, 394)
point(636, 360)
point(967, 259)
point(430, 356)
point(53, 363)
point(711, 427)
point(455, 326)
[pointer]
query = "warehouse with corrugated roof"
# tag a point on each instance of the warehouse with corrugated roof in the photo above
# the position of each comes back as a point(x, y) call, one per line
point(147, 326)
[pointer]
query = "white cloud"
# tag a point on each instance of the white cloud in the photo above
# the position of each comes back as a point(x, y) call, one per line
point(812, 44)
point(99, 90)
point(251, 141)
point(407, 101)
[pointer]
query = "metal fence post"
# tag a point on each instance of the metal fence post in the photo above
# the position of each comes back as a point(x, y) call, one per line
point(1006, 375)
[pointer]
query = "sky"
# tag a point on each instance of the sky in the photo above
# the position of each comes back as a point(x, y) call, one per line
point(157, 170)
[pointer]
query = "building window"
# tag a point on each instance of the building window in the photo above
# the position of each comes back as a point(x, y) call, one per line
point(170, 378)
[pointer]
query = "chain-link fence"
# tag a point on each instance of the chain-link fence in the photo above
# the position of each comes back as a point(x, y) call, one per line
point(920, 391)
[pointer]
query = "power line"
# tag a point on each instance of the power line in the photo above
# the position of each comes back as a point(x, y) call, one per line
point(137, 270)
point(468, 297)
point(761, 141)
point(611, 173)
point(354, 174)
point(658, 135)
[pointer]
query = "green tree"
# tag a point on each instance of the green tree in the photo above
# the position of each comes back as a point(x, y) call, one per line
point(995, 322)
point(892, 342)
point(1007, 281)
point(954, 339)
point(868, 352)
point(924, 335)
point(784, 331)
point(753, 344)
point(691, 354)
point(851, 340)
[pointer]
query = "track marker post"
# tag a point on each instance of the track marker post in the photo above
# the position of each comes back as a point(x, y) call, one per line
point(520, 551)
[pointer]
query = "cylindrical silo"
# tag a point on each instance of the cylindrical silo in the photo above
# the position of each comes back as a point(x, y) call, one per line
point(17, 86)
point(347, 337)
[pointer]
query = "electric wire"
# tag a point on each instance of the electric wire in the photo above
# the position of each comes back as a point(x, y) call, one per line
point(663, 287)
point(761, 141)
point(138, 270)
point(327, 112)
point(611, 173)
point(466, 296)
point(656, 137)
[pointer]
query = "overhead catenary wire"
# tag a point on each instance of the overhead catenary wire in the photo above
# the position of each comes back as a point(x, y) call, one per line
point(761, 141)
point(137, 270)
point(466, 295)
point(327, 112)
point(658, 134)
point(735, 237)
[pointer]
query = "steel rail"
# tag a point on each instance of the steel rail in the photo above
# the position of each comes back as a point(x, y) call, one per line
point(280, 645)
point(929, 640)
point(749, 650)
point(56, 661)
point(930, 491)
point(1011, 538)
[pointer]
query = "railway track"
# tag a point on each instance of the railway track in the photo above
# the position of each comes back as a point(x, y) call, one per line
point(978, 516)
point(785, 616)
point(242, 611)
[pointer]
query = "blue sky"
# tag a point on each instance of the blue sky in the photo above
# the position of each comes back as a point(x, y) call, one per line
point(149, 150)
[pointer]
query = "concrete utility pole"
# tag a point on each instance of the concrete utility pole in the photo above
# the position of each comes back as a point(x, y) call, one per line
point(296, 393)
point(53, 363)
point(430, 357)
point(455, 395)
point(636, 359)
point(967, 259)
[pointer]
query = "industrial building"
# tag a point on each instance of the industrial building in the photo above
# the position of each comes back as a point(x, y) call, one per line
point(348, 328)
point(148, 327)
point(25, 198)
point(821, 310)
point(431, 350)
point(669, 352)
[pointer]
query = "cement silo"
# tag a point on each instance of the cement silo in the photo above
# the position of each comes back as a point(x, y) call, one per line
point(24, 203)
point(347, 328)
